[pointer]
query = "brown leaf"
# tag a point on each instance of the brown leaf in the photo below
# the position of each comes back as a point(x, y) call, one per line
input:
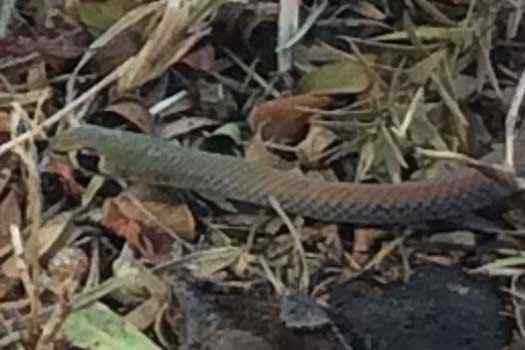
point(46, 240)
point(316, 142)
point(164, 210)
point(121, 224)
point(167, 44)
point(5, 122)
point(282, 119)
point(66, 176)
point(55, 45)
point(118, 49)
point(255, 151)
point(202, 58)
point(51, 234)
point(134, 112)
point(366, 9)
point(185, 125)
point(144, 215)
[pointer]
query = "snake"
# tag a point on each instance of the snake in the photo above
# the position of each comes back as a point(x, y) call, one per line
point(157, 161)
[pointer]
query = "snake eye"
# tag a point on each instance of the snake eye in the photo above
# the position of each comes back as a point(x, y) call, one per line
point(88, 159)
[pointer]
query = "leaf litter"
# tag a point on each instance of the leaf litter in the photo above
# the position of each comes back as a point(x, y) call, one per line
point(321, 88)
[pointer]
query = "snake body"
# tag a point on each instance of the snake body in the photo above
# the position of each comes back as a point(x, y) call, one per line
point(157, 161)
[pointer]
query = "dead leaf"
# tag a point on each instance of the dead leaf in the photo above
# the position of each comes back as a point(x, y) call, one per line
point(25, 98)
point(423, 132)
point(316, 142)
point(185, 125)
point(348, 77)
point(143, 285)
point(10, 214)
point(282, 119)
point(318, 52)
point(59, 41)
point(98, 16)
point(122, 225)
point(65, 173)
point(5, 122)
point(256, 151)
point(392, 154)
point(7, 285)
point(367, 156)
point(175, 217)
point(52, 233)
point(421, 71)
point(205, 263)
point(367, 9)
point(461, 36)
point(134, 112)
point(145, 314)
point(116, 51)
point(67, 268)
point(37, 76)
point(215, 100)
point(149, 216)
point(202, 59)
point(155, 287)
point(168, 43)
point(47, 239)
point(364, 239)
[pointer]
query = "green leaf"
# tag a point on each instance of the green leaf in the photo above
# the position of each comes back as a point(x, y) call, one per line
point(224, 140)
point(99, 328)
point(231, 130)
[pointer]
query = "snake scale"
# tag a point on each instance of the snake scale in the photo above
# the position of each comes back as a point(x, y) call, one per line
point(157, 161)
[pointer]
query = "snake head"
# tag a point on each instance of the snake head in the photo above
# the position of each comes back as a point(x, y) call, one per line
point(72, 145)
point(72, 140)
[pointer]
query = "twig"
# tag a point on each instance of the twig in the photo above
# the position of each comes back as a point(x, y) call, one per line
point(401, 132)
point(288, 25)
point(25, 276)
point(517, 307)
point(7, 10)
point(116, 74)
point(449, 155)
point(384, 252)
point(511, 120)
point(305, 278)
point(9, 339)
point(256, 77)
point(277, 284)
point(167, 102)
point(499, 172)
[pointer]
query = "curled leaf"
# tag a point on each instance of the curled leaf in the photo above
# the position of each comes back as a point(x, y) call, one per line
point(283, 119)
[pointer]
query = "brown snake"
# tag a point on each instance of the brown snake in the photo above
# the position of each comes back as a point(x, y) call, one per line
point(158, 162)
